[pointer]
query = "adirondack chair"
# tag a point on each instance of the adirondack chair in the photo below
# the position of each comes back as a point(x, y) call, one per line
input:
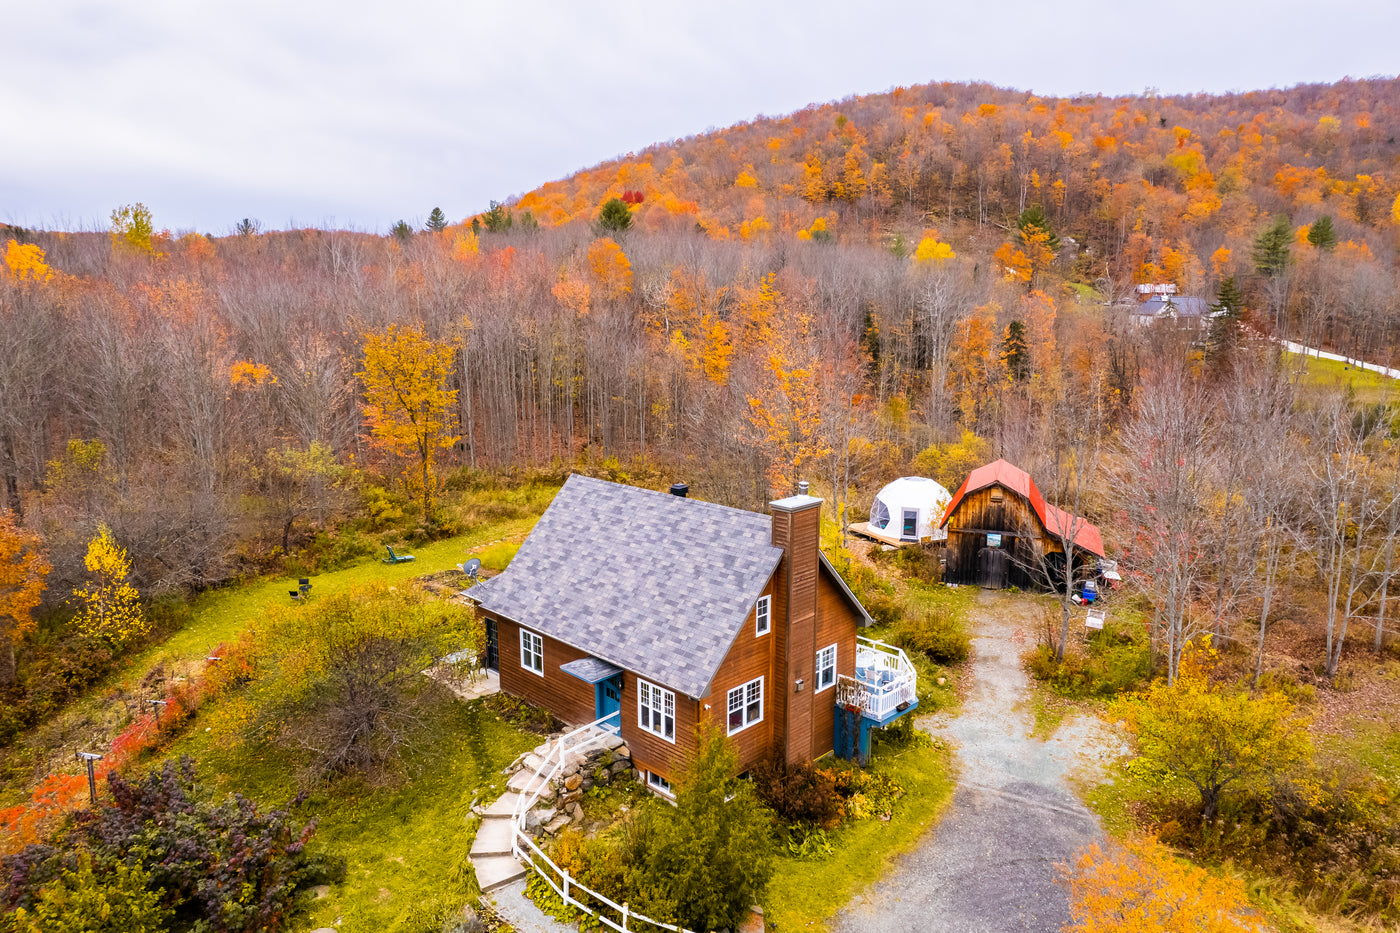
point(396, 558)
point(303, 589)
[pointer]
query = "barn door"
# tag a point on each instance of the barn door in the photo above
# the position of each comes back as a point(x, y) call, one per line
point(992, 567)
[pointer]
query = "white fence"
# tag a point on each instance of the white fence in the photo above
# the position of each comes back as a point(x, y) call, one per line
point(525, 849)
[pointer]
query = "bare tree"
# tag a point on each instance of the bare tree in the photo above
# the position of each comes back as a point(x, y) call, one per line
point(1352, 502)
point(1163, 486)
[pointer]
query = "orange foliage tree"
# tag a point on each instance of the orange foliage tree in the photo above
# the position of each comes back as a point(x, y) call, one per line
point(23, 568)
point(610, 267)
point(1144, 889)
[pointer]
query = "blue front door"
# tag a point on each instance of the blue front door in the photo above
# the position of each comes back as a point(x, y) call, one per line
point(609, 696)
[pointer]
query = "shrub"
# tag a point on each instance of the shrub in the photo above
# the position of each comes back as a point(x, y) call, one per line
point(224, 869)
point(117, 897)
point(798, 792)
point(1114, 661)
point(346, 685)
point(933, 621)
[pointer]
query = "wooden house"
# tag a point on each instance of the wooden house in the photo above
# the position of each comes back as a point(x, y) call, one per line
point(651, 613)
point(1000, 529)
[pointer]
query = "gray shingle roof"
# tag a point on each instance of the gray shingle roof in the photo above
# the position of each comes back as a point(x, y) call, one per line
point(653, 583)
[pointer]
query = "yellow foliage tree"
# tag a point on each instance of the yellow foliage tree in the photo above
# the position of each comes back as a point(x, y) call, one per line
point(1395, 210)
point(1211, 737)
point(787, 412)
point(466, 247)
point(22, 572)
point(932, 250)
point(408, 403)
point(111, 607)
point(746, 179)
point(1144, 889)
point(25, 262)
point(133, 230)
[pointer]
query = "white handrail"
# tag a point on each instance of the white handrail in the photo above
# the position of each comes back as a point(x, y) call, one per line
point(524, 848)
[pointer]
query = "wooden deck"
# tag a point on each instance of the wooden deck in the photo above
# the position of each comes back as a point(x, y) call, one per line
point(876, 534)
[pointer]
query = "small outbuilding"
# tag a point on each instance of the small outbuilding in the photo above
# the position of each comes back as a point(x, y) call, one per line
point(1000, 530)
point(906, 511)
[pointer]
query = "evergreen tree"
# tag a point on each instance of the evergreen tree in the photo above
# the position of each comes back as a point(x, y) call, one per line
point(401, 231)
point(614, 217)
point(437, 221)
point(528, 223)
point(1224, 321)
point(498, 219)
point(715, 852)
point(1271, 248)
point(1321, 234)
point(1014, 354)
point(1032, 219)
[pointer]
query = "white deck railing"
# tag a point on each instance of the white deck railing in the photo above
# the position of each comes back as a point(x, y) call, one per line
point(884, 680)
point(524, 848)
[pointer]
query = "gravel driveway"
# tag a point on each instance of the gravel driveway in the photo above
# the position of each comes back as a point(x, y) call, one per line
point(989, 864)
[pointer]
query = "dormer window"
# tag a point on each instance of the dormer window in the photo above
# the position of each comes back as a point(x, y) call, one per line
point(763, 616)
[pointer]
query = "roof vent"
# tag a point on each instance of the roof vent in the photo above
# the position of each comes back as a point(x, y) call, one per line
point(680, 489)
point(802, 487)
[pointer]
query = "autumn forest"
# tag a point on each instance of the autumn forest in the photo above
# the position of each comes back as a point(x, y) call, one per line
point(913, 282)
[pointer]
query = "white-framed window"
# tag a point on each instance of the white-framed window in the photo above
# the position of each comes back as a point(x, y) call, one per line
point(826, 668)
point(657, 782)
point(745, 705)
point(531, 652)
point(656, 710)
point(763, 615)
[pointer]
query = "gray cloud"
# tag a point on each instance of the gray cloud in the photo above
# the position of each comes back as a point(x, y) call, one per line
point(358, 114)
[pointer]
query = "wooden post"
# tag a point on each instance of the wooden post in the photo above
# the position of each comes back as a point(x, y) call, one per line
point(91, 760)
point(624, 916)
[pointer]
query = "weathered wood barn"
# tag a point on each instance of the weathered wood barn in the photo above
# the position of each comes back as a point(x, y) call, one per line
point(1001, 529)
point(651, 613)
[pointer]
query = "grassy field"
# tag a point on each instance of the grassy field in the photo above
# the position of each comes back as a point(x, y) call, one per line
point(806, 892)
point(1370, 388)
point(405, 842)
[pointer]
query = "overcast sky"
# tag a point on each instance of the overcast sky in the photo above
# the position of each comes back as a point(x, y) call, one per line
point(356, 114)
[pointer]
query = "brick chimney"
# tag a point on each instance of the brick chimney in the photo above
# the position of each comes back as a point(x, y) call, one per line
point(797, 530)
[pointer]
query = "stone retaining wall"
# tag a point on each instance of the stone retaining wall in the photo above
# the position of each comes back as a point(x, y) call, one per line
point(560, 803)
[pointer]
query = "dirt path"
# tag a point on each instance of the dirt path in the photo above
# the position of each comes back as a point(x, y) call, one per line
point(990, 863)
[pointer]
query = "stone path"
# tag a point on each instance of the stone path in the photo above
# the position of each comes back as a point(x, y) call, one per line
point(989, 865)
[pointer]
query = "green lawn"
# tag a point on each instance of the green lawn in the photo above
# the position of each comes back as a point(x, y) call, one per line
point(405, 842)
point(1370, 388)
point(220, 615)
point(806, 892)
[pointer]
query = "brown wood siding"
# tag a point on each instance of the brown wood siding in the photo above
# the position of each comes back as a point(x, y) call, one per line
point(837, 622)
point(562, 694)
point(802, 531)
point(977, 514)
point(651, 752)
point(749, 657)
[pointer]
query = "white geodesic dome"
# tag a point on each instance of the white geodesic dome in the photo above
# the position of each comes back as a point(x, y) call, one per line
point(910, 502)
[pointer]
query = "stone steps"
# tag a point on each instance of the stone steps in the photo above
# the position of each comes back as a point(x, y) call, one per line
point(497, 871)
point(493, 838)
point(503, 805)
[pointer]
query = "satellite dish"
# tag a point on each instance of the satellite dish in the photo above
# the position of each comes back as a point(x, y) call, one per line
point(471, 568)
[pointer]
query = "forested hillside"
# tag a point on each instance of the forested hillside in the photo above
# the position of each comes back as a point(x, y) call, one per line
point(825, 294)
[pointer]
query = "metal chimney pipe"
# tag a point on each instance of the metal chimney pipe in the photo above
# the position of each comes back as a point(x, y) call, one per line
point(802, 487)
